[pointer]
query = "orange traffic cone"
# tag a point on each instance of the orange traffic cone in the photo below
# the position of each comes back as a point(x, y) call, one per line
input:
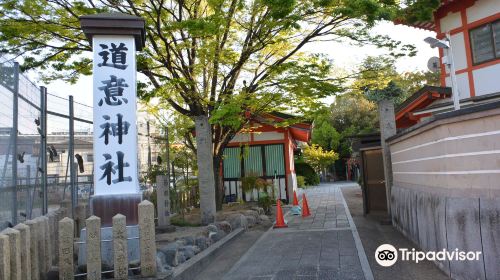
point(305, 207)
point(295, 200)
point(280, 221)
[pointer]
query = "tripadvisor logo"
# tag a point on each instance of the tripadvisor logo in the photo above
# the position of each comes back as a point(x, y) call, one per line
point(387, 255)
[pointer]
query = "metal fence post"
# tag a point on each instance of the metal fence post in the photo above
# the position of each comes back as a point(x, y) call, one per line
point(15, 107)
point(28, 192)
point(43, 148)
point(149, 144)
point(71, 155)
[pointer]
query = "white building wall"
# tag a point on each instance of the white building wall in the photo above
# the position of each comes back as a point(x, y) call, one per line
point(482, 9)
point(268, 136)
point(241, 137)
point(450, 22)
point(459, 55)
point(487, 80)
point(463, 85)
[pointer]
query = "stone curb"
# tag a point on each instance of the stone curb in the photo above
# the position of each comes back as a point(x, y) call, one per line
point(192, 267)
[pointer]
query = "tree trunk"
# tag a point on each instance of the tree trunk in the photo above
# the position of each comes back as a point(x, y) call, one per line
point(206, 179)
point(219, 183)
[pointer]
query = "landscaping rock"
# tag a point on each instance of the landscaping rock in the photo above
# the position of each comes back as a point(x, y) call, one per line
point(187, 251)
point(181, 242)
point(171, 245)
point(252, 213)
point(181, 258)
point(162, 268)
point(216, 236)
point(251, 221)
point(196, 249)
point(202, 242)
point(263, 219)
point(168, 254)
point(188, 240)
point(212, 228)
point(224, 226)
point(237, 220)
point(259, 210)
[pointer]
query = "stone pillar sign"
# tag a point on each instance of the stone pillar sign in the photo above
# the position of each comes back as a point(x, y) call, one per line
point(115, 38)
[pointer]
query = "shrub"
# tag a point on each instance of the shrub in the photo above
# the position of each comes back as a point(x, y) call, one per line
point(265, 202)
point(305, 170)
point(301, 181)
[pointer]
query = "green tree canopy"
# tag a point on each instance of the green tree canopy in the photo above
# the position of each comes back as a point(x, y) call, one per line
point(318, 158)
point(210, 58)
point(375, 74)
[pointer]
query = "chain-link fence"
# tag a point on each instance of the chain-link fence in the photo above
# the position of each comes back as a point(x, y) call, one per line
point(50, 158)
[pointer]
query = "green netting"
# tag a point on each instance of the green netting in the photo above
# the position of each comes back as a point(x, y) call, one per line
point(232, 163)
point(275, 160)
point(253, 161)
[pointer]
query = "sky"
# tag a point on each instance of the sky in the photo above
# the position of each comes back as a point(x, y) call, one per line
point(343, 55)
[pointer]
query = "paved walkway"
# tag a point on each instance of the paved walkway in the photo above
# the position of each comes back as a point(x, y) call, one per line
point(324, 246)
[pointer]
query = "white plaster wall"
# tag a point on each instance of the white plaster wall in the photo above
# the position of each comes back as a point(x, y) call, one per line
point(450, 21)
point(265, 136)
point(459, 55)
point(241, 137)
point(487, 80)
point(463, 85)
point(482, 9)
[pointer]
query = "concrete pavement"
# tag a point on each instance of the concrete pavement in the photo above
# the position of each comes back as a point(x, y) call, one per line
point(324, 246)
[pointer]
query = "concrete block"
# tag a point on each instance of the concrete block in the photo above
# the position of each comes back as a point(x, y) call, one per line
point(66, 231)
point(35, 272)
point(147, 240)
point(48, 244)
point(40, 229)
point(163, 200)
point(15, 252)
point(53, 234)
point(120, 255)
point(93, 248)
point(24, 230)
point(490, 225)
point(463, 231)
point(4, 257)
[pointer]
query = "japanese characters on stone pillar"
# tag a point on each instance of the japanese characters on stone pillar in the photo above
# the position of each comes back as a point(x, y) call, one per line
point(115, 132)
point(115, 38)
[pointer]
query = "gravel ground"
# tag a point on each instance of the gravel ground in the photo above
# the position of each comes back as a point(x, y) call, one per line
point(373, 234)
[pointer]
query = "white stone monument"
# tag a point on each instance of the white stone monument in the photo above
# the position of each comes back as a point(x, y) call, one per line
point(115, 38)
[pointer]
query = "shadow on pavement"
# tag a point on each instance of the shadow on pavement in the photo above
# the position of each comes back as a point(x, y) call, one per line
point(374, 234)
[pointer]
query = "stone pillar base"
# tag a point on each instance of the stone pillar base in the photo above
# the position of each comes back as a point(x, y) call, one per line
point(107, 206)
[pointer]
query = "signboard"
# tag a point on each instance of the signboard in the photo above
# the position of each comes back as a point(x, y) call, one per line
point(115, 131)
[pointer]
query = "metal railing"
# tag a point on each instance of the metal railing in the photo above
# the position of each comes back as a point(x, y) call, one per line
point(46, 150)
